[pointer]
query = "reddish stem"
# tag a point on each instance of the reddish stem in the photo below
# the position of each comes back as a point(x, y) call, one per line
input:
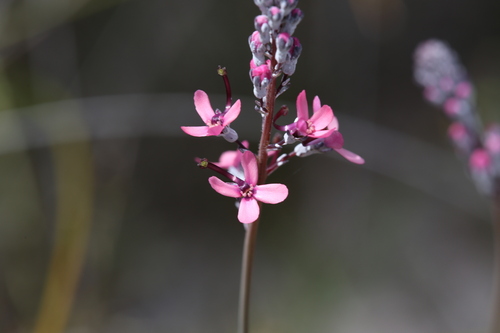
point(251, 231)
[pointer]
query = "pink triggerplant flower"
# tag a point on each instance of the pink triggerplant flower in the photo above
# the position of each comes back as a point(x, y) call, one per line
point(314, 127)
point(216, 121)
point(333, 141)
point(249, 192)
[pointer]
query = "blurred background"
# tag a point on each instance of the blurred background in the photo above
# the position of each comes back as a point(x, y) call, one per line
point(108, 226)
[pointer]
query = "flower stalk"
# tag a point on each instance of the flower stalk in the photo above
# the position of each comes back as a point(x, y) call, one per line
point(495, 214)
point(251, 230)
point(274, 58)
point(438, 70)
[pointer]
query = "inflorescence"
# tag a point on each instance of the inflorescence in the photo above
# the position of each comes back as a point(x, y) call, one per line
point(275, 53)
point(446, 85)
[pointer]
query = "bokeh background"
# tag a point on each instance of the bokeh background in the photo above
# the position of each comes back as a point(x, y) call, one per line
point(108, 226)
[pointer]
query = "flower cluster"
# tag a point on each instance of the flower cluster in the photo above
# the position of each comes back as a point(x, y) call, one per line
point(316, 134)
point(273, 35)
point(274, 58)
point(438, 69)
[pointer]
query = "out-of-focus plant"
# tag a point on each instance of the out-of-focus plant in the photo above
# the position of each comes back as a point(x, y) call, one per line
point(446, 84)
point(274, 58)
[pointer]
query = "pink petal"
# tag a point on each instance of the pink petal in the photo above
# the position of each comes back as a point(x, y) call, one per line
point(249, 210)
point(335, 140)
point(322, 118)
point(301, 126)
point(232, 113)
point(215, 130)
point(203, 107)
point(227, 159)
point(196, 130)
point(334, 124)
point(270, 193)
point(316, 104)
point(302, 110)
point(231, 157)
point(322, 134)
point(249, 163)
point(350, 156)
point(245, 144)
point(229, 190)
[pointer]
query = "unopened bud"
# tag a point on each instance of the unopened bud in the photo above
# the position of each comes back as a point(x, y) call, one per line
point(229, 134)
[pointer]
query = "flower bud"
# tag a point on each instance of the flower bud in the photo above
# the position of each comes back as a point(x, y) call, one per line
point(492, 145)
point(461, 138)
point(229, 134)
point(283, 45)
point(262, 26)
point(261, 77)
point(263, 4)
point(288, 5)
point(275, 17)
point(481, 170)
point(292, 21)
point(290, 64)
point(257, 47)
point(463, 89)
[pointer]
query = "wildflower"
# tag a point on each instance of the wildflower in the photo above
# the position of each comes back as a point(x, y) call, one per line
point(334, 141)
point(217, 122)
point(248, 190)
point(314, 127)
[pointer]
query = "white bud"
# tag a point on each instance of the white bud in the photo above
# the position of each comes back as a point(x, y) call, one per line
point(229, 134)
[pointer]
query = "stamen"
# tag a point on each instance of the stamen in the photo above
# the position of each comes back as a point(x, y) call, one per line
point(217, 119)
point(246, 190)
point(310, 127)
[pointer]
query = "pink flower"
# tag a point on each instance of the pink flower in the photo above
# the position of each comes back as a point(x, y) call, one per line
point(314, 127)
point(216, 121)
point(333, 141)
point(249, 192)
